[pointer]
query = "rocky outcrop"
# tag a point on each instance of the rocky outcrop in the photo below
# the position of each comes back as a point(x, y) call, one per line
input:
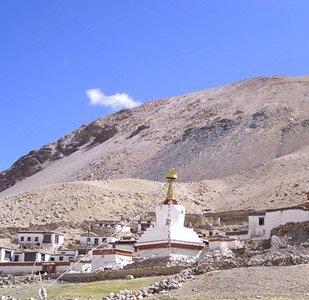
point(35, 161)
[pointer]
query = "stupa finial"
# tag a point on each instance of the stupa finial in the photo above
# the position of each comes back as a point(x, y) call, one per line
point(171, 176)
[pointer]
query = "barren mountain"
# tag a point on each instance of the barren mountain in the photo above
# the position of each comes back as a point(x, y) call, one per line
point(239, 147)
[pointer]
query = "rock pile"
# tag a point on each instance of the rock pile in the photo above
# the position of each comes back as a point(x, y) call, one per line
point(35, 161)
point(161, 287)
point(281, 253)
point(17, 280)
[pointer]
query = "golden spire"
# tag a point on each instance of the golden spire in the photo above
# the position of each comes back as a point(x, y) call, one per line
point(170, 176)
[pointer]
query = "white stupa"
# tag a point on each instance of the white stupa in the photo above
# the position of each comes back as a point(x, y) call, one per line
point(169, 237)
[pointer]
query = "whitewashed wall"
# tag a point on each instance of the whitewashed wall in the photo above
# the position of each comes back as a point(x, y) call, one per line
point(83, 239)
point(80, 268)
point(225, 244)
point(19, 269)
point(39, 242)
point(129, 247)
point(109, 261)
point(32, 237)
point(274, 219)
point(29, 268)
point(65, 257)
point(2, 254)
point(240, 236)
point(164, 252)
point(38, 257)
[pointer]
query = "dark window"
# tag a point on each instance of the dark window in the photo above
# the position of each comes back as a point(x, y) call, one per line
point(96, 241)
point(7, 254)
point(30, 256)
point(16, 258)
point(261, 221)
point(47, 238)
point(43, 257)
point(22, 238)
point(103, 240)
point(56, 239)
point(36, 239)
point(52, 259)
point(61, 258)
point(89, 239)
point(29, 238)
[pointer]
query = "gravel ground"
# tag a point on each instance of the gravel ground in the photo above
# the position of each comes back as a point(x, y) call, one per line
point(291, 282)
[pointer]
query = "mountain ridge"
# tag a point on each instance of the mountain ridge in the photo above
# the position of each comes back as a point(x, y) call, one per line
point(207, 134)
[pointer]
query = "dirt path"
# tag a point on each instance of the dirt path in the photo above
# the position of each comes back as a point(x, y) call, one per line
point(290, 282)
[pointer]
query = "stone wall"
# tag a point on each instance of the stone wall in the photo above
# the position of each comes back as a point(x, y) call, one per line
point(279, 252)
point(297, 232)
point(121, 274)
point(11, 280)
point(233, 217)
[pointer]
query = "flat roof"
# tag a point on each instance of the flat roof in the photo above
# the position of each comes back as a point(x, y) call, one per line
point(7, 248)
point(263, 212)
point(240, 232)
point(91, 234)
point(41, 232)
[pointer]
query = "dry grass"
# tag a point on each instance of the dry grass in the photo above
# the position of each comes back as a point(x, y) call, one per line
point(82, 291)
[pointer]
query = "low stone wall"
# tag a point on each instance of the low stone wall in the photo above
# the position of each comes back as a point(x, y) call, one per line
point(233, 217)
point(121, 274)
point(281, 260)
point(8, 280)
point(161, 287)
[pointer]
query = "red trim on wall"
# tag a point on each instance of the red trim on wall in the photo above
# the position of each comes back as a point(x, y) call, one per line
point(31, 263)
point(111, 251)
point(167, 245)
point(221, 240)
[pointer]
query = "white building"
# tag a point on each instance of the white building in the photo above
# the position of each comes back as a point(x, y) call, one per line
point(142, 225)
point(61, 257)
point(96, 240)
point(111, 227)
point(33, 256)
point(32, 262)
point(6, 254)
point(124, 244)
point(169, 237)
point(262, 222)
point(40, 239)
point(30, 267)
point(110, 259)
point(29, 262)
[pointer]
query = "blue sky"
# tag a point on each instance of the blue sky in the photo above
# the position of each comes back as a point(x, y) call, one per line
point(58, 55)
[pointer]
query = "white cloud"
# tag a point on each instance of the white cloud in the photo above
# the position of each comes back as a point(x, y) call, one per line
point(116, 101)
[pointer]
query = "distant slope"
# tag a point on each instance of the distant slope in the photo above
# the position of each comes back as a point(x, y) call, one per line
point(278, 184)
point(215, 133)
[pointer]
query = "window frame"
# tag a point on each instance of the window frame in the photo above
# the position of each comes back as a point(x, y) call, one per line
point(261, 221)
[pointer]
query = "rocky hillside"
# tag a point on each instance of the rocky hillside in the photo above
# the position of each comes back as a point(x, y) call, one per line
point(206, 135)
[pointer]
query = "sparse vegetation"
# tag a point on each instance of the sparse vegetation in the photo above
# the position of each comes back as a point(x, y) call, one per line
point(93, 290)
